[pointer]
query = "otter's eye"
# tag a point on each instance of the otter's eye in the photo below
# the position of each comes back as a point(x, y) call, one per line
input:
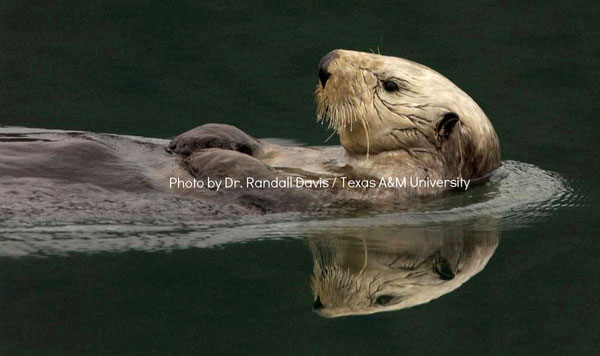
point(442, 269)
point(383, 299)
point(390, 86)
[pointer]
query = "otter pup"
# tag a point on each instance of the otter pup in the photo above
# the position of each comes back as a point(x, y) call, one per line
point(395, 119)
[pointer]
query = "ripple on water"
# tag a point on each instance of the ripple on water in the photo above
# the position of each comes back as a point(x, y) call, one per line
point(39, 219)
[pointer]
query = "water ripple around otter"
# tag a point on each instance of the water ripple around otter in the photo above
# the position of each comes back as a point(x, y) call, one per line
point(39, 218)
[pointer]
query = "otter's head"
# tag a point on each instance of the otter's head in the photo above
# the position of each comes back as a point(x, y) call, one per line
point(350, 279)
point(379, 103)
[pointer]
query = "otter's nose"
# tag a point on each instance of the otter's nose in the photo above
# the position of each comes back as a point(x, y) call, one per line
point(317, 304)
point(323, 65)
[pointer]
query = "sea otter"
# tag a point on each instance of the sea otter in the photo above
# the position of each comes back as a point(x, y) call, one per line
point(395, 119)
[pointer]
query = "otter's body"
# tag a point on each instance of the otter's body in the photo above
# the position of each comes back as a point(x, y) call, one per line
point(396, 119)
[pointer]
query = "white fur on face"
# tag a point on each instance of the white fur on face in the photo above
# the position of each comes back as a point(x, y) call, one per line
point(349, 278)
point(370, 119)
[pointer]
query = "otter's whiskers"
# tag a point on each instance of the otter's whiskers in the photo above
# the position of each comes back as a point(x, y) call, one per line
point(339, 115)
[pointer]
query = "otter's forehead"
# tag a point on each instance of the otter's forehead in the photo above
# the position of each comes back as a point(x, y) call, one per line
point(380, 64)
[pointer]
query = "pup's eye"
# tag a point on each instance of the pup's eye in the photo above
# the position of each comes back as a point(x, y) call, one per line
point(383, 299)
point(390, 86)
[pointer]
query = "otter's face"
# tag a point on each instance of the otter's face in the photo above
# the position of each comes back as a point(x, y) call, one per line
point(342, 291)
point(379, 103)
point(355, 280)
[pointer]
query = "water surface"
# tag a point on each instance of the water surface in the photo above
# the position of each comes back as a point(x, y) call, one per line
point(153, 274)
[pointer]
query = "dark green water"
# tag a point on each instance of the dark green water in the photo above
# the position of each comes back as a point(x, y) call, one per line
point(156, 69)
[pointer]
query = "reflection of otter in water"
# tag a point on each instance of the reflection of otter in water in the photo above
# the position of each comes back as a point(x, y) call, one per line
point(364, 276)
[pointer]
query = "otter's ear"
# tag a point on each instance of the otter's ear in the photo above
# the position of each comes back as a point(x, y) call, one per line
point(446, 124)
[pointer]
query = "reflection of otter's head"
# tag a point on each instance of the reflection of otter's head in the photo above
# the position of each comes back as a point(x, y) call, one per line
point(353, 278)
point(379, 103)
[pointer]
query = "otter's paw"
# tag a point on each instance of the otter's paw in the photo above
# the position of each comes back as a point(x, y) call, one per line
point(214, 136)
point(219, 164)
